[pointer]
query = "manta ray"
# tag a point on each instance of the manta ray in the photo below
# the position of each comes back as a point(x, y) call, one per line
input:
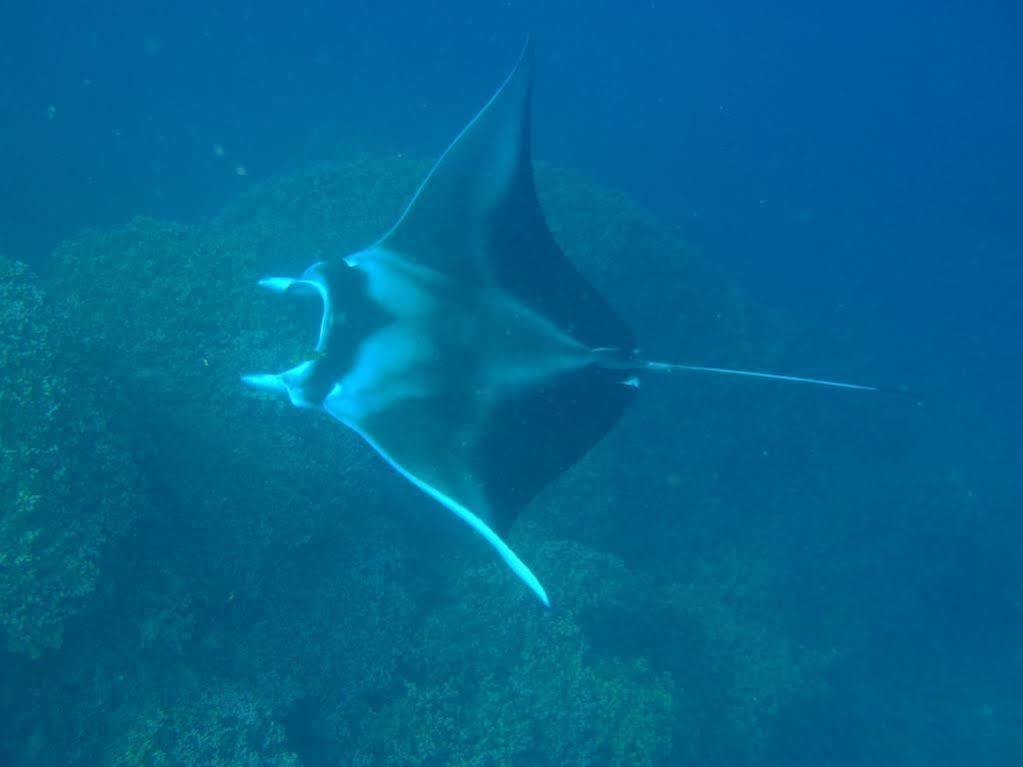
point(463, 346)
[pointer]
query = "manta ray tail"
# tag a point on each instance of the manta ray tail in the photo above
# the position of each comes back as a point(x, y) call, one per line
point(671, 367)
point(616, 359)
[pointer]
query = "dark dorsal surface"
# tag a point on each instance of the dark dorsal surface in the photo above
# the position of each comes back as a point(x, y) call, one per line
point(477, 218)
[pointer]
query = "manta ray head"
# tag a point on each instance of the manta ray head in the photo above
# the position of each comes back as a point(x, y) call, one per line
point(343, 295)
point(464, 346)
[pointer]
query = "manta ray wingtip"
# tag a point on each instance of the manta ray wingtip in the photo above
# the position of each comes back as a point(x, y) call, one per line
point(543, 598)
point(525, 575)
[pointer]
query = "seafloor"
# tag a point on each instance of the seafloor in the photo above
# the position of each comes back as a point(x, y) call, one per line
point(191, 574)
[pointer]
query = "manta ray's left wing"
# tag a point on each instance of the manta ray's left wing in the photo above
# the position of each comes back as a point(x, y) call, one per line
point(476, 219)
point(433, 443)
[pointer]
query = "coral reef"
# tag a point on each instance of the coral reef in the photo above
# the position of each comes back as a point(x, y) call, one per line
point(495, 681)
point(283, 599)
point(68, 487)
point(203, 722)
point(169, 318)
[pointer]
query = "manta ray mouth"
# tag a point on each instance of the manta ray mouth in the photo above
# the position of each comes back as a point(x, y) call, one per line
point(310, 283)
point(300, 382)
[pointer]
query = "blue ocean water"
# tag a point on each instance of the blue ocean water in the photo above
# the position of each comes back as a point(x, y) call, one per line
point(828, 578)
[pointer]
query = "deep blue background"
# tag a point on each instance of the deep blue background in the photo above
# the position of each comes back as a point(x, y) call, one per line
point(856, 166)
